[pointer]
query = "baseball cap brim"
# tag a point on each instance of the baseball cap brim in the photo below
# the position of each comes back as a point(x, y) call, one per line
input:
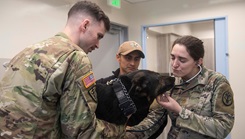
point(132, 50)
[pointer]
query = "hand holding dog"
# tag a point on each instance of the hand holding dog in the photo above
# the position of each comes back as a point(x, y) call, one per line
point(169, 103)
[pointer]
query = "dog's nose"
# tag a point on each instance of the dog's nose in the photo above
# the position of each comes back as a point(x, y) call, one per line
point(171, 79)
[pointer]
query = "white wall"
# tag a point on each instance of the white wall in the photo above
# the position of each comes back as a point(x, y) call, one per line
point(24, 22)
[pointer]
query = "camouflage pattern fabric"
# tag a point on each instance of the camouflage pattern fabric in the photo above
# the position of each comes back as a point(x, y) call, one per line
point(207, 110)
point(156, 117)
point(48, 92)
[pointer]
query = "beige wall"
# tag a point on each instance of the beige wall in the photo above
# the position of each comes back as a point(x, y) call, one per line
point(26, 21)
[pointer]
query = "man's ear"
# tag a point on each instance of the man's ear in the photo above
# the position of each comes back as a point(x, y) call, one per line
point(84, 25)
point(118, 58)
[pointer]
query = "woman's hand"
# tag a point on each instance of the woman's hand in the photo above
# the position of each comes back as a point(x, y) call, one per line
point(169, 103)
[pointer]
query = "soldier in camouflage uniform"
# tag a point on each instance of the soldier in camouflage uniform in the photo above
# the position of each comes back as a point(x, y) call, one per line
point(48, 90)
point(201, 104)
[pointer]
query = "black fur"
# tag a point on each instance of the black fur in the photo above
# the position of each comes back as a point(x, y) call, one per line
point(143, 86)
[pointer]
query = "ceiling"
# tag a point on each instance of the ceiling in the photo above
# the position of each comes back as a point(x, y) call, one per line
point(186, 1)
point(136, 1)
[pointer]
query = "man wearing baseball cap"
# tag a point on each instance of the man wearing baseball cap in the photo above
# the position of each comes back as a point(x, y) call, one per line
point(128, 56)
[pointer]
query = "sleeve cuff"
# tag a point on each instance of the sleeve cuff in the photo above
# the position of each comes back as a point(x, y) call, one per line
point(184, 114)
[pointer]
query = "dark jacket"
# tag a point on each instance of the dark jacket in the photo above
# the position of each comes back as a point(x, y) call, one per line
point(105, 80)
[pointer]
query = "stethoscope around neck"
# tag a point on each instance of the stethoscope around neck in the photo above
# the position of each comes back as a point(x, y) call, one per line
point(186, 82)
point(200, 70)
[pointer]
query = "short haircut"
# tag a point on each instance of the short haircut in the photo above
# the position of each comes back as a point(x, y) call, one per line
point(91, 9)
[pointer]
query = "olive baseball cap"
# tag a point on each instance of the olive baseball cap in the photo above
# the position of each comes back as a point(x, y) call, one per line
point(130, 46)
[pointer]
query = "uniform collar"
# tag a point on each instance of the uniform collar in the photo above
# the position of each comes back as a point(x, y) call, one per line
point(63, 35)
point(201, 79)
point(116, 72)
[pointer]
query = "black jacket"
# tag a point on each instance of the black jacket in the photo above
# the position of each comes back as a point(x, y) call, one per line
point(105, 80)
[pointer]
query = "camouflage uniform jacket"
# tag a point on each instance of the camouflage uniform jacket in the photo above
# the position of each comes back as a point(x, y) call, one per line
point(207, 108)
point(48, 91)
point(156, 119)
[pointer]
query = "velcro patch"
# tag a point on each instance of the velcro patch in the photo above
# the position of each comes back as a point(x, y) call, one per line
point(88, 79)
point(227, 98)
point(92, 93)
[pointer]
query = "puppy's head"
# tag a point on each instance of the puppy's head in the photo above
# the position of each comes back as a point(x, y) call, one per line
point(149, 84)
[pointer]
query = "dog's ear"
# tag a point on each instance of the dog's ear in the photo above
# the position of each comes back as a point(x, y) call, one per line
point(141, 83)
point(140, 80)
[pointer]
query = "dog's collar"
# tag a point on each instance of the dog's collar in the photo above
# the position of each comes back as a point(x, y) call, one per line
point(126, 104)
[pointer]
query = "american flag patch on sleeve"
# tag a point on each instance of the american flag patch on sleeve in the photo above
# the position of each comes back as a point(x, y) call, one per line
point(88, 79)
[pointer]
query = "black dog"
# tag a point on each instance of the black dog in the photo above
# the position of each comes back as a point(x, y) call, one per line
point(131, 93)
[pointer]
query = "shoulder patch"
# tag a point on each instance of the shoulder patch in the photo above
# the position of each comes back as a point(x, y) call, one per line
point(88, 79)
point(227, 99)
point(92, 93)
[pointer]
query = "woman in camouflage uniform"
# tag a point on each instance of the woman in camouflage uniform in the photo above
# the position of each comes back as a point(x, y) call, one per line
point(201, 104)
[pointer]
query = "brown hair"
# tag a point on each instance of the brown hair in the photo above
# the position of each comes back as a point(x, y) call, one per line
point(194, 46)
point(91, 9)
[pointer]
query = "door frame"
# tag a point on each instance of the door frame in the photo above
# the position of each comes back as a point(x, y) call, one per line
point(220, 39)
point(121, 30)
